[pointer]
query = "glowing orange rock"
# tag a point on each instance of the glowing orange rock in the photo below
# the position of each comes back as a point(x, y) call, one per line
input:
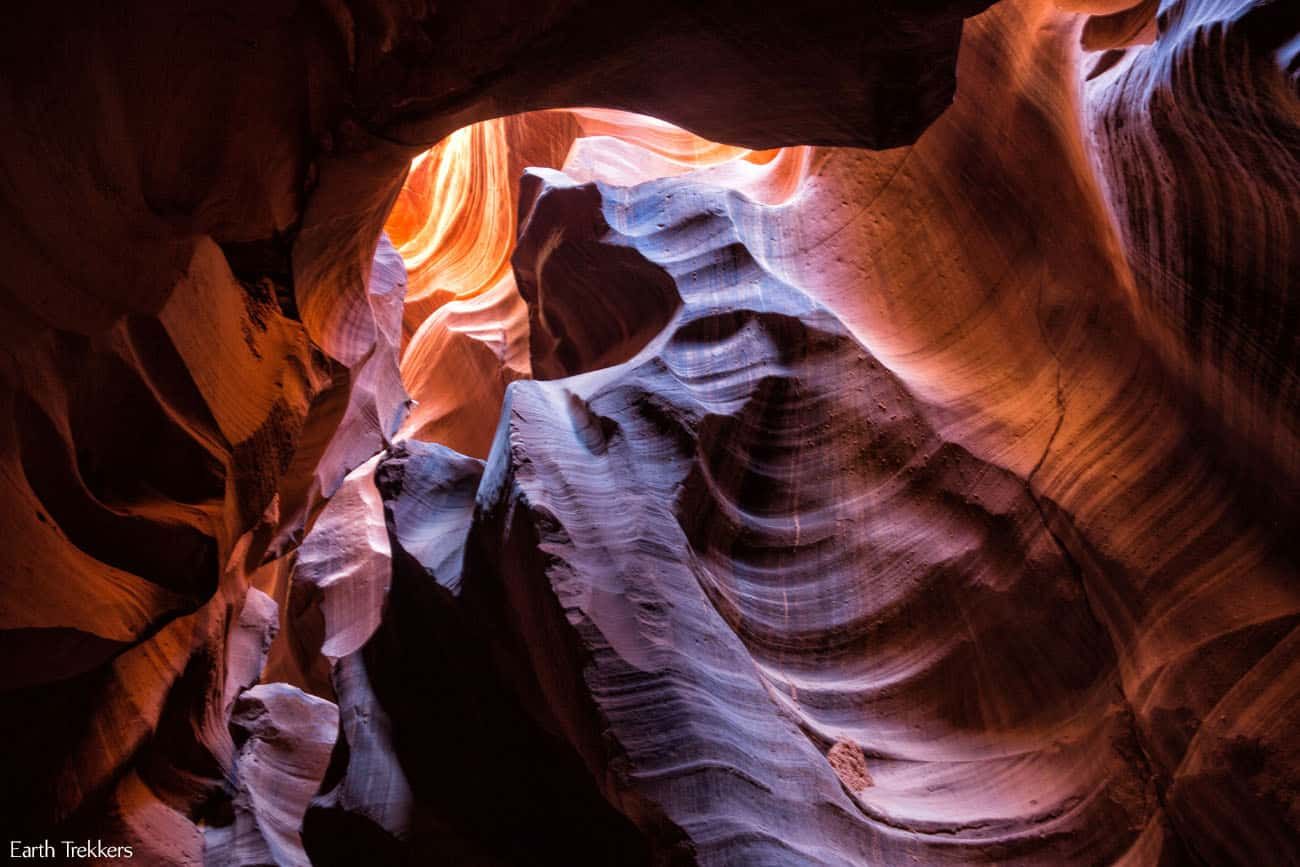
point(454, 224)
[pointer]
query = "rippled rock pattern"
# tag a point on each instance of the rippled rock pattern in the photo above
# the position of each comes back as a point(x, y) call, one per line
point(287, 737)
point(202, 325)
point(1199, 147)
point(777, 614)
point(874, 481)
point(430, 734)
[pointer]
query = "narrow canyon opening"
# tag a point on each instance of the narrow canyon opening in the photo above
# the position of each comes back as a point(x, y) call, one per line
point(698, 433)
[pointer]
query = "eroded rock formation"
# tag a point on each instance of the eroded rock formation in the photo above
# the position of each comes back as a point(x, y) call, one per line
point(793, 540)
point(861, 483)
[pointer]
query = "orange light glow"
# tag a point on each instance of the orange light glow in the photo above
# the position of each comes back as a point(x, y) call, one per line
point(454, 222)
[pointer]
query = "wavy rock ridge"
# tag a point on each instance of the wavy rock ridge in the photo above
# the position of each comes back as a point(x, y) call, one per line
point(202, 325)
point(883, 613)
point(774, 502)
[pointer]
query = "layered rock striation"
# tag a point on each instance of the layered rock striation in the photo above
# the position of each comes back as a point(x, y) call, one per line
point(202, 327)
point(867, 482)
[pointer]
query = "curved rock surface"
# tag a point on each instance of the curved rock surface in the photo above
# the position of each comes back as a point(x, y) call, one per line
point(1214, 268)
point(455, 222)
point(900, 663)
point(757, 499)
point(199, 335)
point(287, 739)
point(430, 736)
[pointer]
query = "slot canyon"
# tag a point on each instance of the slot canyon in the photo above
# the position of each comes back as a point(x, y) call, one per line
point(698, 432)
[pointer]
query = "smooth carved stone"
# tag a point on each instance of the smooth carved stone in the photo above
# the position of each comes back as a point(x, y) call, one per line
point(1197, 138)
point(1216, 98)
point(146, 465)
point(982, 266)
point(712, 563)
point(430, 734)
point(358, 416)
point(454, 222)
point(286, 737)
point(428, 494)
point(166, 721)
point(458, 364)
point(199, 338)
point(1027, 564)
point(336, 590)
point(591, 304)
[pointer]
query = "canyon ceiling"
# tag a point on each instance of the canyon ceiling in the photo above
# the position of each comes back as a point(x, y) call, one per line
point(557, 432)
